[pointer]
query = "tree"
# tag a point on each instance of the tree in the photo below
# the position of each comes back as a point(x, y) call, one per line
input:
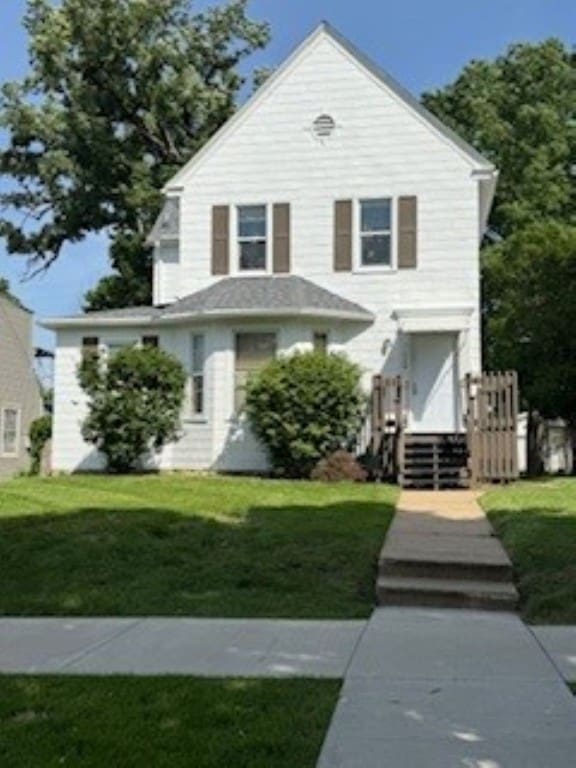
point(120, 94)
point(532, 314)
point(135, 400)
point(305, 407)
point(520, 111)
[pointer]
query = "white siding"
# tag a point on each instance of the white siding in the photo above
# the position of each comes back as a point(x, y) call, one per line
point(380, 148)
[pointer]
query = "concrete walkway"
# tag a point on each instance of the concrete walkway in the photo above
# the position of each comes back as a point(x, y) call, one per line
point(158, 646)
point(451, 689)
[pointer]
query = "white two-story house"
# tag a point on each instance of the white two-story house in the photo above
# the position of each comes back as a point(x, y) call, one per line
point(332, 211)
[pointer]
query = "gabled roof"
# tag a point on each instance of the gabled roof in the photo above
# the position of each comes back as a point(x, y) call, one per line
point(232, 297)
point(327, 30)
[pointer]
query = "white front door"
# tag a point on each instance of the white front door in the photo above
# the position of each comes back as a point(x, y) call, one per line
point(433, 385)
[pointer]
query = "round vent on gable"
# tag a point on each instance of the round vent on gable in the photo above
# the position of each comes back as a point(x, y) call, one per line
point(324, 126)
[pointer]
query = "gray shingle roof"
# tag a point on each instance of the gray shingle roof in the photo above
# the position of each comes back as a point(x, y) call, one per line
point(265, 294)
point(285, 295)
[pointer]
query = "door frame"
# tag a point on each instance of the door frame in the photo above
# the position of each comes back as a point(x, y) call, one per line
point(409, 356)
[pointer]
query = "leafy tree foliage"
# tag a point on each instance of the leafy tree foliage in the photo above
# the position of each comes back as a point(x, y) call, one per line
point(520, 111)
point(305, 407)
point(135, 400)
point(40, 433)
point(532, 315)
point(120, 94)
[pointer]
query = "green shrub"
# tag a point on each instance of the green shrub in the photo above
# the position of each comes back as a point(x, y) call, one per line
point(40, 433)
point(305, 407)
point(135, 400)
point(338, 466)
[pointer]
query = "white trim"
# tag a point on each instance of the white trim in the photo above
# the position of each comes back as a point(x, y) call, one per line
point(211, 314)
point(433, 319)
point(236, 271)
point(357, 266)
point(18, 437)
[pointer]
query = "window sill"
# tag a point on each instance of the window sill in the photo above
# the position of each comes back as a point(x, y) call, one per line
point(195, 420)
point(374, 270)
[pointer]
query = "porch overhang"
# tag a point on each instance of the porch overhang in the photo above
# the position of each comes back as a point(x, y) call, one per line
point(433, 319)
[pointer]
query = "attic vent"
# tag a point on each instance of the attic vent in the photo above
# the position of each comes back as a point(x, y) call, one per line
point(324, 126)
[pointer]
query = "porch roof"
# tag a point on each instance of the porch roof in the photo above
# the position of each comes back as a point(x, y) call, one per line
point(232, 297)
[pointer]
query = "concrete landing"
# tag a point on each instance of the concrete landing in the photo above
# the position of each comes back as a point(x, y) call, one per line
point(441, 551)
point(450, 689)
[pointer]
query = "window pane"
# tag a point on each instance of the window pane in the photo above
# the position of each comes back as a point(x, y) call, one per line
point(253, 351)
point(198, 353)
point(252, 221)
point(376, 250)
point(375, 215)
point(320, 342)
point(9, 431)
point(253, 255)
point(198, 394)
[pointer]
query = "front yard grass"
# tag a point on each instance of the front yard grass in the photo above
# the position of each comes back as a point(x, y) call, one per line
point(191, 546)
point(536, 522)
point(163, 722)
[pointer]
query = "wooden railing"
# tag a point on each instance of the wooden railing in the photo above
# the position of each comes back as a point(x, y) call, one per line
point(491, 417)
point(381, 437)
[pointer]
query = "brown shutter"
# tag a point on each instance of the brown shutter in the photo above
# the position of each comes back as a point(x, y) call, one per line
point(343, 236)
point(220, 240)
point(281, 249)
point(407, 232)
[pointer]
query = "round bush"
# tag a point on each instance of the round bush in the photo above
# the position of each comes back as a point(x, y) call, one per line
point(305, 407)
point(135, 400)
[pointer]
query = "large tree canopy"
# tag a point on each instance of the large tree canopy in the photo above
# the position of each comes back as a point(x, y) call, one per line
point(120, 93)
point(520, 111)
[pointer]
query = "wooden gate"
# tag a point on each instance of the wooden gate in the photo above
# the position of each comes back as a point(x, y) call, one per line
point(491, 408)
point(385, 422)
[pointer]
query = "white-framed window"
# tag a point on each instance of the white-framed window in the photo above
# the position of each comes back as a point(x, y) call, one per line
point(113, 346)
point(252, 237)
point(197, 365)
point(320, 341)
point(253, 351)
point(375, 233)
point(10, 418)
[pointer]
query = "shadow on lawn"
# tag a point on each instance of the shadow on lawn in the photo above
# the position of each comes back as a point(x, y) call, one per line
point(541, 542)
point(291, 561)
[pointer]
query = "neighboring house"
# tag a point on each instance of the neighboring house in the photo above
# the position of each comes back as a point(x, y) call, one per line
point(20, 395)
point(332, 211)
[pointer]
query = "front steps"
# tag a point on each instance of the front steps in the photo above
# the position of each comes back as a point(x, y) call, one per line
point(441, 552)
point(435, 461)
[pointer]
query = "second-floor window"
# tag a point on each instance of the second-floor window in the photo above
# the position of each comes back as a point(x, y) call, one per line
point(252, 237)
point(375, 233)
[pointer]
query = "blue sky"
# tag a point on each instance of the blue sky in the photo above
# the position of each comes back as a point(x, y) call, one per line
point(423, 44)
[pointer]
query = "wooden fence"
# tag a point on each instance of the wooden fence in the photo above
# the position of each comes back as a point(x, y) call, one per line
point(491, 414)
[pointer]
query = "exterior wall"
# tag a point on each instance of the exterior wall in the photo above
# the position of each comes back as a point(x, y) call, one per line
point(19, 387)
point(218, 440)
point(379, 149)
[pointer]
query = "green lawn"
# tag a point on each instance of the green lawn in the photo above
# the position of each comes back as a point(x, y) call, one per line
point(162, 722)
point(185, 545)
point(536, 521)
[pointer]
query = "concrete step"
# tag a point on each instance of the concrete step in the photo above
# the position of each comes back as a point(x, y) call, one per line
point(446, 593)
point(446, 569)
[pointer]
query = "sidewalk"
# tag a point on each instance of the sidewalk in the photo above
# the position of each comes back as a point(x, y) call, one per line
point(447, 689)
point(158, 646)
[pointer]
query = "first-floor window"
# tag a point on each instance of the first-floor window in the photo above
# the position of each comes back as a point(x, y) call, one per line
point(10, 428)
point(198, 356)
point(376, 233)
point(320, 342)
point(253, 351)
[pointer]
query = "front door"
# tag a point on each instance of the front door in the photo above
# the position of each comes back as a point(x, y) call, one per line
point(433, 385)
